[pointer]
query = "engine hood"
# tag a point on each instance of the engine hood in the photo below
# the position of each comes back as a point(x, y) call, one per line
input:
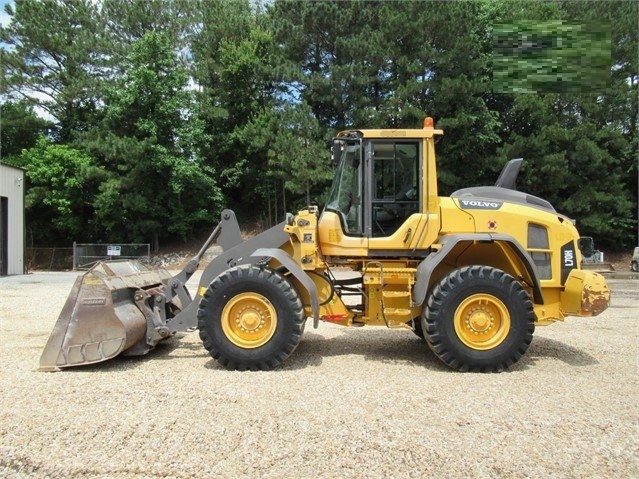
point(478, 194)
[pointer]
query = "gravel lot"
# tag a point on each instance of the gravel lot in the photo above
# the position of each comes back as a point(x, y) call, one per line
point(349, 403)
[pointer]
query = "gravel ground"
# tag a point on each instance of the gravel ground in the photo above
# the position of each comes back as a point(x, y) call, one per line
point(349, 403)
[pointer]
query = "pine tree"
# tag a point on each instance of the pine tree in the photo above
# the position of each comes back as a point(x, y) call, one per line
point(53, 58)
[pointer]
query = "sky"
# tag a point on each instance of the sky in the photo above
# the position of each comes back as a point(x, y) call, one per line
point(4, 18)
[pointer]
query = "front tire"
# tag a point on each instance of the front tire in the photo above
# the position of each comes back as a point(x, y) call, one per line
point(634, 266)
point(250, 318)
point(479, 318)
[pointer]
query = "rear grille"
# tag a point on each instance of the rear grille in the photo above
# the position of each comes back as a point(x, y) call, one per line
point(539, 250)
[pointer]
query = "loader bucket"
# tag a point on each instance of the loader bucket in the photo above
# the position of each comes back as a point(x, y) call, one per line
point(100, 318)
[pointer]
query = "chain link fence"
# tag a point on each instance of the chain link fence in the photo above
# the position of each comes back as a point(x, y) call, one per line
point(82, 256)
point(87, 254)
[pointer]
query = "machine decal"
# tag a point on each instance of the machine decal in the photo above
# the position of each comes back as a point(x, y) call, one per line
point(94, 301)
point(480, 205)
point(568, 260)
point(492, 224)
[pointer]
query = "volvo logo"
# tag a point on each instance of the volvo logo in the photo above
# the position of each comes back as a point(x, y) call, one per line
point(480, 205)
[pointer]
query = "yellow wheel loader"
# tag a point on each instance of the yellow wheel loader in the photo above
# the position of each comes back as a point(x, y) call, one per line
point(472, 274)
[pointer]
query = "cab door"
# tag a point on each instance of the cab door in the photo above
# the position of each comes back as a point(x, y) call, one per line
point(395, 216)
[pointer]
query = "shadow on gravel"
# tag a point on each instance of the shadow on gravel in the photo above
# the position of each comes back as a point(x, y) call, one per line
point(405, 348)
point(543, 348)
point(381, 346)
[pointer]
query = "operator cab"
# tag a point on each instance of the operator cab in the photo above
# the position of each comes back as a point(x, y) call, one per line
point(383, 201)
point(377, 185)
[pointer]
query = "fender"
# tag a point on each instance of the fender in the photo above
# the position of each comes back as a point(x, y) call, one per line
point(297, 272)
point(235, 252)
point(428, 265)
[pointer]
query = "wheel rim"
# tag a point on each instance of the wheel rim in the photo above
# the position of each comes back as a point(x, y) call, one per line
point(482, 322)
point(249, 320)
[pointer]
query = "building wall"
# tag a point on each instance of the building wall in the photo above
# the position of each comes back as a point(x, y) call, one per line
point(12, 187)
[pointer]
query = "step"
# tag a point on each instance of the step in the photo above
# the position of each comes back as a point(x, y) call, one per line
point(398, 312)
point(396, 294)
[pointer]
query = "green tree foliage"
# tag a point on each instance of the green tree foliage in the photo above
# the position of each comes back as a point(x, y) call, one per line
point(577, 167)
point(20, 127)
point(127, 21)
point(337, 58)
point(619, 106)
point(59, 197)
point(235, 64)
point(581, 147)
point(53, 58)
point(297, 155)
point(186, 106)
point(157, 185)
point(296, 159)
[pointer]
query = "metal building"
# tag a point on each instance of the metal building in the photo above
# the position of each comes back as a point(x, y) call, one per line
point(11, 220)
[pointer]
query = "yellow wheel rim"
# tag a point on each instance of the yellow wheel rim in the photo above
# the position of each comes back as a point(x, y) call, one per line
point(482, 322)
point(249, 320)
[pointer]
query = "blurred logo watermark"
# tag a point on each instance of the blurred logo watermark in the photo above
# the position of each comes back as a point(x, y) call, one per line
point(551, 57)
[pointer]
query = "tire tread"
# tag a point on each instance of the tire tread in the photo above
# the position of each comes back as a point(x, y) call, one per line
point(435, 315)
point(215, 295)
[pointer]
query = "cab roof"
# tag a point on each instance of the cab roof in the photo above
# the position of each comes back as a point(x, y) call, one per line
point(428, 131)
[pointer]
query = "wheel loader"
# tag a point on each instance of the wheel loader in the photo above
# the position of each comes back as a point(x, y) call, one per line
point(471, 274)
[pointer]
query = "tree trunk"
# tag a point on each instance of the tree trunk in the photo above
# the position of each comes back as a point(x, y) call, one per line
point(155, 243)
point(268, 207)
point(283, 200)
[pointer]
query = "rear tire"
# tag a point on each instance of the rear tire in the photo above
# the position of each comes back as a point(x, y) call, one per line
point(635, 266)
point(478, 318)
point(250, 318)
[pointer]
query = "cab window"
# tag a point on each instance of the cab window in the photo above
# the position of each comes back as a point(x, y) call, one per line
point(395, 185)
